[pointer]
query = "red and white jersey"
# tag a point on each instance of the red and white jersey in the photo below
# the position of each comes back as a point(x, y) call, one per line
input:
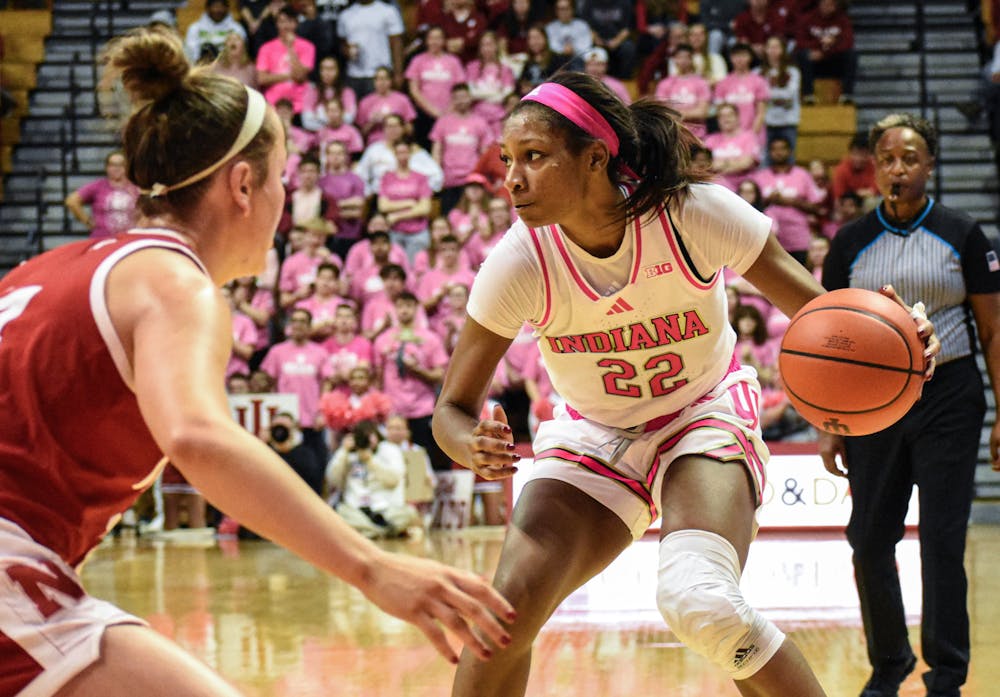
point(74, 449)
point(636, 335)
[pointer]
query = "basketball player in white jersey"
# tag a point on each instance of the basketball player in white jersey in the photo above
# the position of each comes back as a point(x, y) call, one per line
point(617, 262)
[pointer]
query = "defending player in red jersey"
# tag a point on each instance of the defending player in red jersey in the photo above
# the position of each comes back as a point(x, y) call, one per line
point(112, 362)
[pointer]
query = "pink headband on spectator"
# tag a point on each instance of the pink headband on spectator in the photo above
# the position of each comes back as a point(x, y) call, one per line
point(568, 103)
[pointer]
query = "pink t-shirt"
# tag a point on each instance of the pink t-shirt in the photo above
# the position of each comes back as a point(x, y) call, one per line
point(343, 358)
point(686, 91)
point(374, 107)
point(488, 84)
point(398, 188)
point(743, 92)
point(380, 311)
point(263, 299)
point(434, 76)
point(618, 87)
point(322, 311)
point(299, 270)
point(411, 396)
point(447, 325)
point(316, 96)
point(730, 147)
point(463, 139)
point(359, 257)
point(479, 247)
point(345, 133)
point(296, 370)
point(793, 225)
point(273, 58)
point(462, 222)
point(245, 332)
point(302, 140)
point(338, 187)
point(112, 207)
point(422, 263)
point(436, 279)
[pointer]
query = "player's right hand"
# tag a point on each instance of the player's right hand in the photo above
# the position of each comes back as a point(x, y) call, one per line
point(435, 597)
point(831, 447)
point(492, 447)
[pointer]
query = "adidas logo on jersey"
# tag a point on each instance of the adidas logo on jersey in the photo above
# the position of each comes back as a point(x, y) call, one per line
point(619, 307)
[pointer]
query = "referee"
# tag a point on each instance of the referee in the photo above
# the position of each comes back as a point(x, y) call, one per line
point(941, 257)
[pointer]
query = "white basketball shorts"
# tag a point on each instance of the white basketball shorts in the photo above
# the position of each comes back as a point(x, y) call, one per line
point(624, 470)
point(50, 629)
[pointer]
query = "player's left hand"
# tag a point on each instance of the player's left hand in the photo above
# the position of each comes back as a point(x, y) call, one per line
point(492, 446)
point(925, 329)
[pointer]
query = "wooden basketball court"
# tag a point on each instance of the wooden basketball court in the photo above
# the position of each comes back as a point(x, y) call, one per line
point(276, 627)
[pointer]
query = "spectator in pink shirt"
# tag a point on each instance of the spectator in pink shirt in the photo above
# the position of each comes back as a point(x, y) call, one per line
point(735, 152)
point(298, 141)
point(428, 259)
point(745, 89)
point(410, 361)
point(346, 349)
point(753, 345)
point(469, 215)
point(436, 283)
point(686, 91)
point(791, 197)
point(324, 301)
point(431, 75)
point(595, 64)
point(404, 198)
point(295, 366)
point(111, 200)
point(368, 256)
point(284, 63)
point(448, 322)
point(336, 130)
point(299, 270)
point(330, 85)
point(257, 304)
point(490, 81)
point(380, 103)
point(245, 336)
point(459, 137)
point(348, 190)
point(379, 313)
point(479, 246)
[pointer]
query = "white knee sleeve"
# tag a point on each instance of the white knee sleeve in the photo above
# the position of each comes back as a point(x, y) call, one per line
point(698, 593)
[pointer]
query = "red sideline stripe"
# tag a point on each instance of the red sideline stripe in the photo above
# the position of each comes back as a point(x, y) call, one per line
point(19, 668)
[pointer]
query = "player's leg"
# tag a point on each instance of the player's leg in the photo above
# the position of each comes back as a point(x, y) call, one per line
point(708, 519)
point(559, 537)
point(135, 660)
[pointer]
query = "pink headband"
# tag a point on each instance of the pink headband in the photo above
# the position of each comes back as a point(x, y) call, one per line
point(568, 103)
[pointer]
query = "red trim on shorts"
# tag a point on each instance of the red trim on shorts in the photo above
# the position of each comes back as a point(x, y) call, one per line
point(754, 462)
point(668, 230)
point(572, 267)
point(545, 277)
point(598, 467)
point(19, 668)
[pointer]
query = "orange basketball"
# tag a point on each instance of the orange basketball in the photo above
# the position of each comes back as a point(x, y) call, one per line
point(852, 362)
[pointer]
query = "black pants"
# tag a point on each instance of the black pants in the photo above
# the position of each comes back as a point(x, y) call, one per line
point(420, 433)
point(935, 446)
point(843, 66)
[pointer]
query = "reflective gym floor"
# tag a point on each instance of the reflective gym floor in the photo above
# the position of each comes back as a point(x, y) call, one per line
point(276, 627)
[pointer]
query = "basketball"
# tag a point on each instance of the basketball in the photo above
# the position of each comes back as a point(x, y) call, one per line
point(852, 362)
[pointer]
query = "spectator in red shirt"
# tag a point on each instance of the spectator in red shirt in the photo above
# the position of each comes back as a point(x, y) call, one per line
point(826, 49)
point(463, 26)
point(753, 26)
point(855, 171)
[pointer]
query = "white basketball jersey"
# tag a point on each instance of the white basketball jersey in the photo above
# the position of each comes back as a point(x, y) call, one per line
point(659, 342)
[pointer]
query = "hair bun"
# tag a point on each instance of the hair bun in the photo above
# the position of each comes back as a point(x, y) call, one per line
point(150, 62)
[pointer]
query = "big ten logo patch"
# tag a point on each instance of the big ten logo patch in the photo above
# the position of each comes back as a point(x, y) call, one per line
point(660, 269)
point(255, 411)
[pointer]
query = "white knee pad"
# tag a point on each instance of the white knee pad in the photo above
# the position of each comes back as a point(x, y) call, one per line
point(698, 593)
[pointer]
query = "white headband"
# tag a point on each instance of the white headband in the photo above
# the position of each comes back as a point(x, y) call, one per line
point(254, 119)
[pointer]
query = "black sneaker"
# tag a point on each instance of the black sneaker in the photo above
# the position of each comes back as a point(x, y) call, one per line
point(882, 685)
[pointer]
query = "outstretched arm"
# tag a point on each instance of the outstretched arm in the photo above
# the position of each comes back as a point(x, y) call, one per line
point(175, 328)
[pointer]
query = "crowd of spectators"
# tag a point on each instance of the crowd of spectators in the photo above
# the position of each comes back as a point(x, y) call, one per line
point(395, 196)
